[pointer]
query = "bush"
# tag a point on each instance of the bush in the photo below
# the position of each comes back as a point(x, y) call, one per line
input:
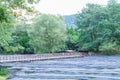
point(3, 72)
point(109, 48)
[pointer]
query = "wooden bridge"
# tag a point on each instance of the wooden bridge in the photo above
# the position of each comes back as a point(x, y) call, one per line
point(37, 57)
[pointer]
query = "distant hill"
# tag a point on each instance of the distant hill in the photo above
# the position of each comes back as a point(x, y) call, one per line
point(70, 20)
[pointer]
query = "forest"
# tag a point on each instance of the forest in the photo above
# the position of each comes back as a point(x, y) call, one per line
point(97, 29)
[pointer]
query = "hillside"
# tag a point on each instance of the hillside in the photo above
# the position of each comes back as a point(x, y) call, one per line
point(70, 20)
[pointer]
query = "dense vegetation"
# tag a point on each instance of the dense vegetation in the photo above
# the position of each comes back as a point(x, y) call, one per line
point(97, 29)
point(48, 34)
point(3, 73)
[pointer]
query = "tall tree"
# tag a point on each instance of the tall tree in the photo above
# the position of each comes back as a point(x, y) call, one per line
point(48, 34)
point(6, 24)
point(21, 38)
point(113, 28)
point(89, 24)
point(98, 26)
point(7, 20)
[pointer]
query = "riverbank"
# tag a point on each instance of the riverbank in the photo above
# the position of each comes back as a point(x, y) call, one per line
point(2, 78)
point(3, 73)
point(35, 57)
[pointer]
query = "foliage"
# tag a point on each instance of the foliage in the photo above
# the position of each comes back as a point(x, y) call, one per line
point(6, 26)
point(98, 30)
point(109, 48)
point(3, 72)
point(48, 34)
point(72, 38)
point(14, 4)
point(98, 26)
point(89, 27)
point(4, 14)
point(21, 40)
point(5, 33)
point(8, 23)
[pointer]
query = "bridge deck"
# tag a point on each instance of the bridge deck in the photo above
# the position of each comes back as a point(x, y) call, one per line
point(35, 57)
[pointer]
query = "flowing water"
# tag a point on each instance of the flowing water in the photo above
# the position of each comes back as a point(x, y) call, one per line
point(86, 68)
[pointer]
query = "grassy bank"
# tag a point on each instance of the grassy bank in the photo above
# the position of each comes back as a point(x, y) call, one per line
point(2, 78)
point(3, 73)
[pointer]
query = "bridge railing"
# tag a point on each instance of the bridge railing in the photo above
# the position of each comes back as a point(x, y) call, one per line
point(15, 58)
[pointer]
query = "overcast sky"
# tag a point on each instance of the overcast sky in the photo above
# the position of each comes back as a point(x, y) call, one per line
point(65, 7)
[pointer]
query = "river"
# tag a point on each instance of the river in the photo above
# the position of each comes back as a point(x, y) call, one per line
point(86, 68)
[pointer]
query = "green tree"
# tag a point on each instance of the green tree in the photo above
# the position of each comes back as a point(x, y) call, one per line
point(89, 27)
point(21, 38)
point(113, 28)
point(8, 23)
point(99, 26)
point(72, 38)
point(48, 34)
point(9, 4)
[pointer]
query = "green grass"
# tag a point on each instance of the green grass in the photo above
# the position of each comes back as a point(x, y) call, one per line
point(3, 72)
point(2, 78)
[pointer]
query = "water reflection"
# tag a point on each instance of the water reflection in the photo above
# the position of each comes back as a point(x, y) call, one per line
point(87, 68)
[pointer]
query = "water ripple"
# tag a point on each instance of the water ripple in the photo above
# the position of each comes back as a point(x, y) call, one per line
point(87, 68)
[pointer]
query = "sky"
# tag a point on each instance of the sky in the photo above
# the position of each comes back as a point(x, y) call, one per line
point(65, 7)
